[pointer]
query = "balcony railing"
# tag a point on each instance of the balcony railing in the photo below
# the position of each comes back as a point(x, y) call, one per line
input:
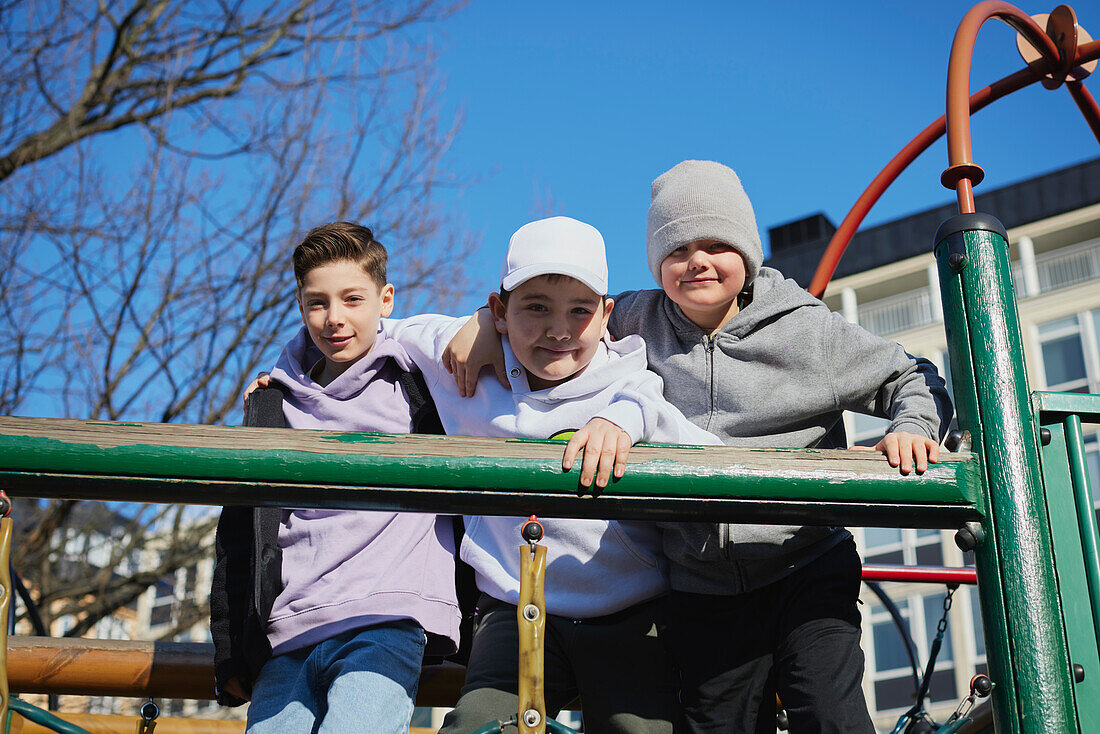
point(1064, 268)
point(897, 313)
point(1056, 270)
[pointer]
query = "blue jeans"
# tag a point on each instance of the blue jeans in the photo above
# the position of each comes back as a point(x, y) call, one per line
point(360, 681)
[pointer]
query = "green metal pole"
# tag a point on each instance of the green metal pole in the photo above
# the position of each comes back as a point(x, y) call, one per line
point(1024, 630)
point(1086, 517)
point(31, 712)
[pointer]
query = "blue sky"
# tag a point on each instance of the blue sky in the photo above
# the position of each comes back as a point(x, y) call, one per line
point(574, 107)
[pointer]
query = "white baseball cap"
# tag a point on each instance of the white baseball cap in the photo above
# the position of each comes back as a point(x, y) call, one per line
point(559, 246)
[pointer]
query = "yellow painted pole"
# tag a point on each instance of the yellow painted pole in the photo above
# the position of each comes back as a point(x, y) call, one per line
point(5, 607)
point(531, 615)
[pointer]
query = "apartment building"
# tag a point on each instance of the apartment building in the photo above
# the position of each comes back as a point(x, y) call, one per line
point(887, 282)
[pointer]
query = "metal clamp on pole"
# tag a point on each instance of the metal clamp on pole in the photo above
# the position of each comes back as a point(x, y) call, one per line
point(149, 712)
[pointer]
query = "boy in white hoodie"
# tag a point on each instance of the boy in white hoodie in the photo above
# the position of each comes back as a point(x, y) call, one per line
point(604, 579)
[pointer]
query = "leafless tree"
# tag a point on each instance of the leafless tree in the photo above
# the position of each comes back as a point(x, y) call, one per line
point(86, 560)
point(159, 159)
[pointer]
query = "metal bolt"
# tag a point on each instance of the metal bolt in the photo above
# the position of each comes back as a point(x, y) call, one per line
point(969, 536)
point(530, 612)
point(531, 717)
point(958, 441)
point(1078, 673)
point(1044, 436)
point(956, 261)
point(981, 685)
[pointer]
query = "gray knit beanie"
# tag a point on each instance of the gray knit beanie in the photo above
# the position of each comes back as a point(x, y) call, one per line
point(700, 200)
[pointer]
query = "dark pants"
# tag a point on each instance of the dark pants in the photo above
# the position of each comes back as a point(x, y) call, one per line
point(616, 664)
point(798, 637)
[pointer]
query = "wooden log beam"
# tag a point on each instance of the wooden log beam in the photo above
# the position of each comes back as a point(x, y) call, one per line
point(219, 465)
point(119, 724)
point(88, 667)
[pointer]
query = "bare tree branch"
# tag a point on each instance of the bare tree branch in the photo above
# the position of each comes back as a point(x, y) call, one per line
point(159, 160)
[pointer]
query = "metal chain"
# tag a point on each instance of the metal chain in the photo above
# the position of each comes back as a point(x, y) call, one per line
point(942, 626)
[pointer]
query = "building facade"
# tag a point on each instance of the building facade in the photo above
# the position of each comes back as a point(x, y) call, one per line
point(888, 283)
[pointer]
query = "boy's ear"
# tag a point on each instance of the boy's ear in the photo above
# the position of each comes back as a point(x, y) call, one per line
point(500, 313)
point(386, 295)
point(608, 304)
point(301, 308)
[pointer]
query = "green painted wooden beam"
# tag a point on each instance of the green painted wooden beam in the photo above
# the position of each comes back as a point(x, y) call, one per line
point(223, 465)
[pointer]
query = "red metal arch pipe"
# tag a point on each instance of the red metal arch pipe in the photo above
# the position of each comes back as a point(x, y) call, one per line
point(978, 101)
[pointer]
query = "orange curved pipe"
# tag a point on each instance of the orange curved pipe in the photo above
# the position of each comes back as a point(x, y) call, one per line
point(961, 173)
point(1087, 104)
point(978, 101)
point(859, 211)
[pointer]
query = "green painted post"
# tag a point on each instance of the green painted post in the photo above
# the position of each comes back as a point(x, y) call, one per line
point(1086, 518)
point(1025, 636)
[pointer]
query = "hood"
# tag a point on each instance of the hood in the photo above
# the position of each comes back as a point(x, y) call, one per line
point(613, 360)
point(301, 354)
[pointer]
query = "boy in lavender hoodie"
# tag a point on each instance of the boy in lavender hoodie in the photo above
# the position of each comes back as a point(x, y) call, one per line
point(321, 617)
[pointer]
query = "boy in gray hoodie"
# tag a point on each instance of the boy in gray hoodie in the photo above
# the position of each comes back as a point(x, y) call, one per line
point(757, 610)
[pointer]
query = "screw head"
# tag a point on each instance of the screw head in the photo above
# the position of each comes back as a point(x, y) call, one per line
point(531, 717)
point(530, 612)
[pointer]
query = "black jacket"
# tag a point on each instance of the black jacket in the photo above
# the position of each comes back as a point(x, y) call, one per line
point(248, 562)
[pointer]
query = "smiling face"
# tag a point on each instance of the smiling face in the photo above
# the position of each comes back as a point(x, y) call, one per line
point(340, 306)
point(704, 279)
point(554, 324)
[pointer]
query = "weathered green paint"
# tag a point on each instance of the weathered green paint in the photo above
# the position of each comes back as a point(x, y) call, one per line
point(118, 451)
point(1086, 517)
point(1068, 403)
point(987, 558)
point(30, 712)
point(1072, 582)
point(1035, 649)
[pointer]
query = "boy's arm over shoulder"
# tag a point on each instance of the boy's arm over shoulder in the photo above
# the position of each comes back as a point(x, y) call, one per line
point(424, 338)
point(630, 312)
point(639, 407)
point(876, 376)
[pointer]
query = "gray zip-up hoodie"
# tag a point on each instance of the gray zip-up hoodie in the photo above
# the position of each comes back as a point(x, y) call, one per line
point(779, 373)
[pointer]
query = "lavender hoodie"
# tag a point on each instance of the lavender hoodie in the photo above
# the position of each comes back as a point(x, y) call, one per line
point(344, 569)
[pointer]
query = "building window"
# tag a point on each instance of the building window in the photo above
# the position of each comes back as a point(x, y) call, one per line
point(163, 602)
point(1063, 355)
point(945, 371)
point(903, 546)
point(892, 676)
point(1069, 353)
point(980, 664)
point(867, 430)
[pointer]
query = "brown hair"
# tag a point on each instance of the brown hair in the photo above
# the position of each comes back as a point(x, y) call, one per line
point(340, 242)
